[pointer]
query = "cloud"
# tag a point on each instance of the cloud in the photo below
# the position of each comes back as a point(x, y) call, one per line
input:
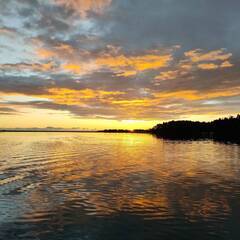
point(168, 75)
point(211, 66)
point(25, 67)
point(126, 105)
point(197, 55)
point(45, 53)
point(79, 61)
point(207, 66)
point(210, 60)
point(194, 60)
point(10, 32)
point(8, 111)
point(193, 95)
point(81, 97)
point(83, 7)
point(119, 59)
point(226, 64)
point(128, 65)
point(74, 68)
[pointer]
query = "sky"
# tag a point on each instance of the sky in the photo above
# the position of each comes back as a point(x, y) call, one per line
point(95, 64)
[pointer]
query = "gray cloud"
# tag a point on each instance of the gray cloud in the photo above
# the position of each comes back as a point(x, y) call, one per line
point(192, 24)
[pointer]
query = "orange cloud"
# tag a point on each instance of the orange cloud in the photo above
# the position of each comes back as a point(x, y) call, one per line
point(58, 51)
point(193, 95)
point(72, 96)
point(45, 53)
point(168, 75)
point(161, 97)
point(196, 59)
point(217, 55)
point(130, 65)
point(132, 103)
point(208, 66)
point(82, 7)
point(123, 105)
point(76, 69)
point(226, 64)
point(126, 73)
point(80, 61)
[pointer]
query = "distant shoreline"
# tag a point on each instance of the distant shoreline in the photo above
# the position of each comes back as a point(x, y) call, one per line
point(49, 131)
point(227, 129)
point(72, 131)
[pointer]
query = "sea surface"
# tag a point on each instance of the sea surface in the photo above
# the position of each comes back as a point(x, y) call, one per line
point(87, 186)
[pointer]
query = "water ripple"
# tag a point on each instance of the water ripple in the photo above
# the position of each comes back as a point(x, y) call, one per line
point(117, 186)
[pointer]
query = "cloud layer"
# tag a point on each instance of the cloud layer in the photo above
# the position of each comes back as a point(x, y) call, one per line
point(119, 59)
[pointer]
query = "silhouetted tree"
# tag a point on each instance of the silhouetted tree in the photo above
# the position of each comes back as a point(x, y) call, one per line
point(221, 129)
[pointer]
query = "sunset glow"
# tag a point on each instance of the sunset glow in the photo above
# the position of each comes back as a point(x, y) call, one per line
point(101, 64)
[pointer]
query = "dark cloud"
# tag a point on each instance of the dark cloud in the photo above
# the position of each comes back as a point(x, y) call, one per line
point(192, 24)
point(8, 111)
point(5, 109)
point(24, 85)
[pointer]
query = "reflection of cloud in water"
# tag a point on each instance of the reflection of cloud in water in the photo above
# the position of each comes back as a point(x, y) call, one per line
point(122, 185)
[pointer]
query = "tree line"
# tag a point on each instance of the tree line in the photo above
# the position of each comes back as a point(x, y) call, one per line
point(220, 129)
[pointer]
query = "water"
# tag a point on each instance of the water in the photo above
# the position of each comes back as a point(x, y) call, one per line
point(117, 186)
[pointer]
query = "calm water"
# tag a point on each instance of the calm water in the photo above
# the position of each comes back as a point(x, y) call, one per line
point(117, 186)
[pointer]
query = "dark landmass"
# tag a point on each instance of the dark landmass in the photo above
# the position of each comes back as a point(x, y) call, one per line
point(125, 131)
point(226, 129)
point(115, 131)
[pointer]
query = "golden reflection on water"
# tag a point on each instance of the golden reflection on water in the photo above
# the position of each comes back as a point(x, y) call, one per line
point(67, 176)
